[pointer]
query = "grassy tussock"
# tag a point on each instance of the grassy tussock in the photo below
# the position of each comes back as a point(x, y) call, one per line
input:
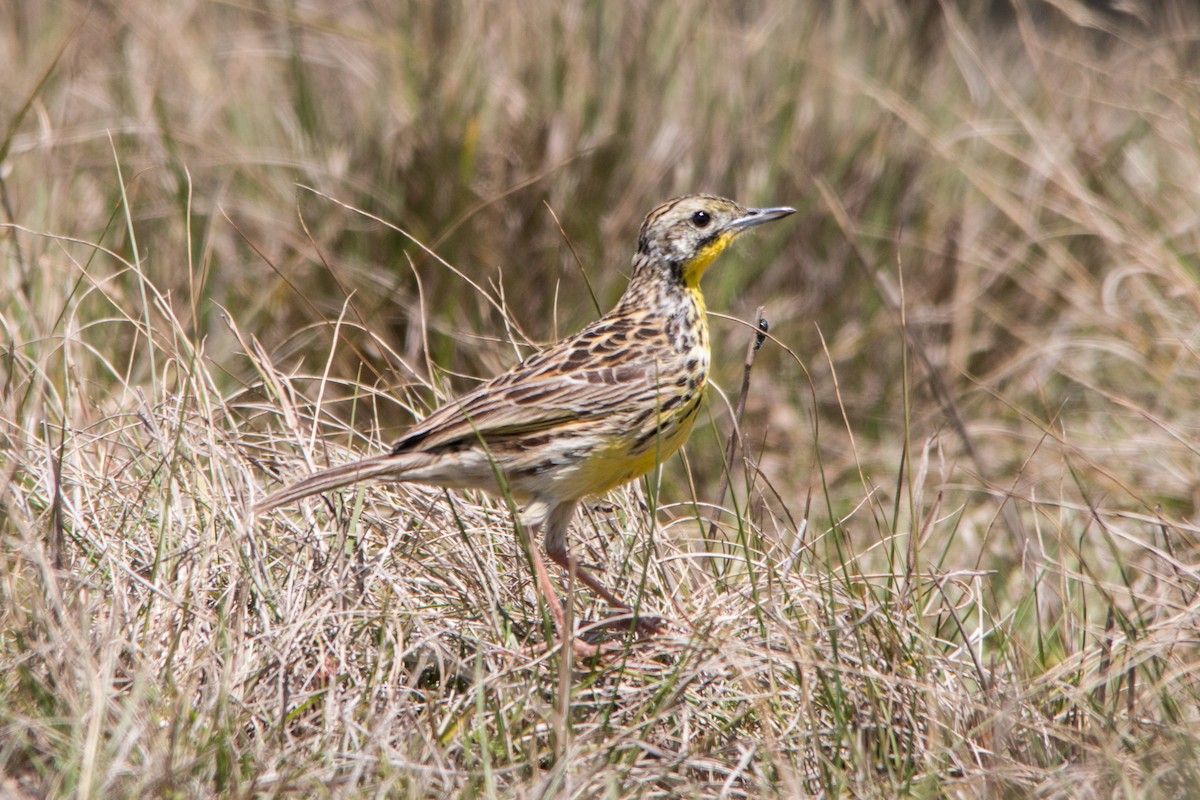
point(954, 552)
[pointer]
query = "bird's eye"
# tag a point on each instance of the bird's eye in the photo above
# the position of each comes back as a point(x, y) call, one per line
point(701, 219)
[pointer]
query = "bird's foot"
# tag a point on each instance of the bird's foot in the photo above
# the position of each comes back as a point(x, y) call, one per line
point(580, 648)
point(646, 626)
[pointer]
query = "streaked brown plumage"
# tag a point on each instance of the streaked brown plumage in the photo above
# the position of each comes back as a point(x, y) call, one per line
point(587, 414)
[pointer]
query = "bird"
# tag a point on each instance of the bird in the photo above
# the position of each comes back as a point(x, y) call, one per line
point(584, 415)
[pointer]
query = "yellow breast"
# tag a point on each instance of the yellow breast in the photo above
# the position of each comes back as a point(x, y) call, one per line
point(622, 460)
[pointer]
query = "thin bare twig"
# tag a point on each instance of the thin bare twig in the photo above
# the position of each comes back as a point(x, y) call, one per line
point(735, 435)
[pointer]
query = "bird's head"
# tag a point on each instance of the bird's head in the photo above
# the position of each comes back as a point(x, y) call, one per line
point(684, 235)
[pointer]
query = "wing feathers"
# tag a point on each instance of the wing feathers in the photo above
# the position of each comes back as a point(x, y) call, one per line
point(532, 403)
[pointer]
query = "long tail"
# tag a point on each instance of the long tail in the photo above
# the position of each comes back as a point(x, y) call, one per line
point(381, 466)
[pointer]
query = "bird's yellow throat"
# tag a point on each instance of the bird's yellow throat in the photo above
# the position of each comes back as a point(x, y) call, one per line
point(694, 270)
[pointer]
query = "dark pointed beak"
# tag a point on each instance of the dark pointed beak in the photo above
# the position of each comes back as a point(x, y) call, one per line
point(757, 216)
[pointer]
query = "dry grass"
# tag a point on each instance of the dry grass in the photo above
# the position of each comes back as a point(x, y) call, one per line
point(957, 555)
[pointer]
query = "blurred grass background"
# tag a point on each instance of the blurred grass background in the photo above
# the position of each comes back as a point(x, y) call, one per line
point(983, 317)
